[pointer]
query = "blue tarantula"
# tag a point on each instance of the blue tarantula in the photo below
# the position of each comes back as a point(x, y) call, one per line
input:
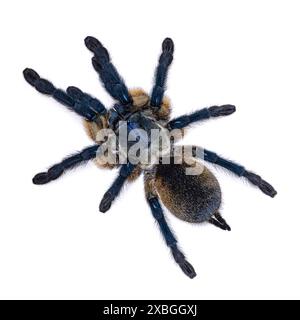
point(192, 198)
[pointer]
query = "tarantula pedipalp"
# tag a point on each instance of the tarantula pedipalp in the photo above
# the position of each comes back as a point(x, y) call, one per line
point(192, 198)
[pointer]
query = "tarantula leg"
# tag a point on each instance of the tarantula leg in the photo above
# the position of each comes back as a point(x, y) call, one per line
point(77, 101)
point(219, 222)
point(68, 163)
point(239, 170)
point(263, 185)
point(185, 266)
point(112, 81)
point(85, 103)
point(116, 187)
point(200, 115)
point(161, 73)
point(170, 239)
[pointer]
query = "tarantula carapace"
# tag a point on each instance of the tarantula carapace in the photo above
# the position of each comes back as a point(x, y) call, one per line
point(191, 197)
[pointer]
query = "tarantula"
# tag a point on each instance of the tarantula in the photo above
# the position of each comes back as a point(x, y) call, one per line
point(192, 198)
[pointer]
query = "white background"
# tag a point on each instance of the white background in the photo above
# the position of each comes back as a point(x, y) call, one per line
point(54, 243)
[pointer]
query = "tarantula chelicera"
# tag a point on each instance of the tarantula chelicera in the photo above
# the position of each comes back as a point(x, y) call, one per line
point(191, 197)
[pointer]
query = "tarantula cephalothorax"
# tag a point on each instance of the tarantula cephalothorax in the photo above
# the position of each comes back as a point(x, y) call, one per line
point(192, 198)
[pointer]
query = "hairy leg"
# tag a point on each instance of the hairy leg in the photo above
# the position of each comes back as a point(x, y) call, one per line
point(77, 101)
point(200, 115)
point(68, 163)
point(169, 237)
point(161, 73)
point(112, 81)
point(239, 170)
point(114, 190)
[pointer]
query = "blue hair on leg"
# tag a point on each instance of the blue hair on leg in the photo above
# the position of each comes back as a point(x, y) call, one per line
point(112, 81)
point(114, 190)
point(200, 115)
point(170, 239)
point(68, 163)
point(79, 102)
point(161, 73)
